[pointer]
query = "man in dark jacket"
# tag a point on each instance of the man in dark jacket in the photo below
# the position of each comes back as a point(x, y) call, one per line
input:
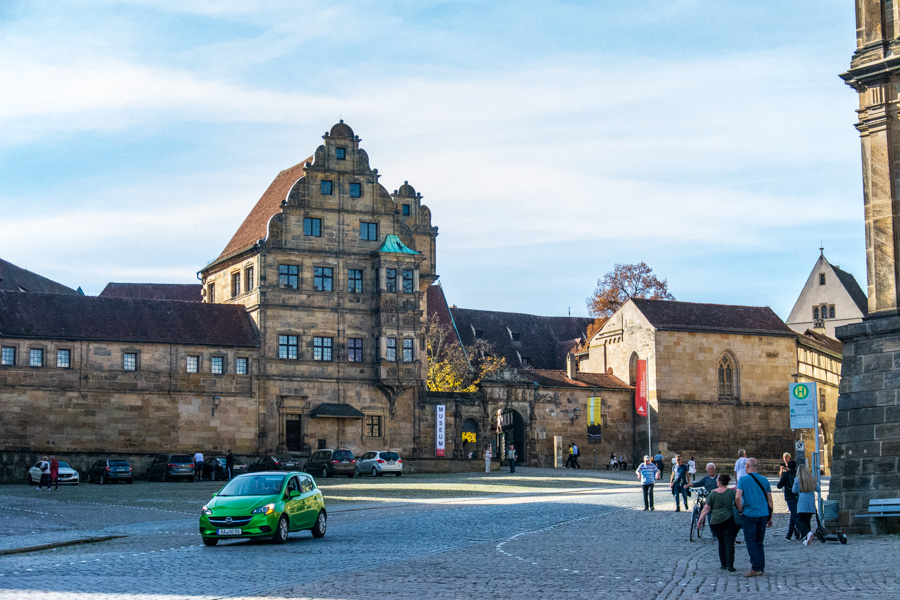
point(229, 463)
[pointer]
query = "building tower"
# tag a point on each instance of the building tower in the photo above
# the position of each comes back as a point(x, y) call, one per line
point(334, 271)
point(867, 428)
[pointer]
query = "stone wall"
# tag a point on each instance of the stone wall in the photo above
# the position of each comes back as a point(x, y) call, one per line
point(866, 462)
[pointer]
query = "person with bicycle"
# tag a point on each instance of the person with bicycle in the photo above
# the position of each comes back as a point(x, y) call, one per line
point(708, 482)
point(720, 509)
point(679, 483)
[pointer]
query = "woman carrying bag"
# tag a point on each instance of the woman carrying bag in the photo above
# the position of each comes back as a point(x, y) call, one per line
point(720, 507)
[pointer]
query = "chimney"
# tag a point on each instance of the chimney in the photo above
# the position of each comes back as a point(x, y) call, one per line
point(571, 366)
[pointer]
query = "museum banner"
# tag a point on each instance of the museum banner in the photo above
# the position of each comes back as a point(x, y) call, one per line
point(440, 430)
point(640, 388)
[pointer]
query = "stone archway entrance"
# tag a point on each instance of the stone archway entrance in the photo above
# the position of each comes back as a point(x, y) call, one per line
point(510, 430)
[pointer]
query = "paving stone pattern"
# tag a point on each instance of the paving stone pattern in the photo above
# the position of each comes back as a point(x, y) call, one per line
point(576, 541)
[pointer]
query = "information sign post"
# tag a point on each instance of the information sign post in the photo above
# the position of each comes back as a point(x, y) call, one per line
point(805, 415)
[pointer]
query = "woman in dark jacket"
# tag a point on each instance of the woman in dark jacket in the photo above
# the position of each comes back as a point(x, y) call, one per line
point(786, 483)
point(720, 507)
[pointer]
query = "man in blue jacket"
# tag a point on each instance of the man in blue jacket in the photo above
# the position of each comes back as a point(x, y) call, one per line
point(753, 499)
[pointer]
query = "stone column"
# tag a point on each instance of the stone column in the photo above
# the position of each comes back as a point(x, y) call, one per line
point(867, 428)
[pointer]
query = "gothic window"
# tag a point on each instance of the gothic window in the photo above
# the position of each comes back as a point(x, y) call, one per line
point(815, 313)
point(821, 278)
point(632, 368)
point(831, 311)
point(728, 376)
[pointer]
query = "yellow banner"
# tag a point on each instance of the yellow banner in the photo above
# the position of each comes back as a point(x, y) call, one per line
point(593, 411)
point(468, 436)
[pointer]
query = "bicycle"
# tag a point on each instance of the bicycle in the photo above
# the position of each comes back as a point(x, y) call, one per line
point(699, 503)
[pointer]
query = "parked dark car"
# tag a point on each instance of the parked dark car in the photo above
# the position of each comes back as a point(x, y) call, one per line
point(327, 463)
point(214, 468)
point(279, 462)
point(110, 470)
point(168, 467)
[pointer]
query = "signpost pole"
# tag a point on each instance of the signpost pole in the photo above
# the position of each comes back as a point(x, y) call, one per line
point(817, 461)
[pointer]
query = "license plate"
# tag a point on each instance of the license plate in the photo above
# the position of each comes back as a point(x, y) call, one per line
point(344, 461)
point(228, 531)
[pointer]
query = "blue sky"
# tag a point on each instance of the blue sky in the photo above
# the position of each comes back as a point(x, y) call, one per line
point(551, 140)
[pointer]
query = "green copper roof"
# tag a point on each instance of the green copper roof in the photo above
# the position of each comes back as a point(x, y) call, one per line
point(393, 244)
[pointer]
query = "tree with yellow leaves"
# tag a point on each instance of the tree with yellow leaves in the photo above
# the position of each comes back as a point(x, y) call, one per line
point(452, 368)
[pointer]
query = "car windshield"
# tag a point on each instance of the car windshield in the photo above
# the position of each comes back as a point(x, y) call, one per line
point(64, 465)
point(253, 485)
point(118, 463)
point(343, 455)
point(390, 455)
point(181, 458)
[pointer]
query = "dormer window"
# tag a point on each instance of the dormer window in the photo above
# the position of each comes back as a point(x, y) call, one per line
point(479, 333)
point(514, 335)
point(340, 153)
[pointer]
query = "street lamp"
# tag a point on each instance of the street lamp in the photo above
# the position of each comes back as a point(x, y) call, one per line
point(574, 415)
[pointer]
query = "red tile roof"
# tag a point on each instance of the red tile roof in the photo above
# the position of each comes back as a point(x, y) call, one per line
point(670, 315)
point(17, 279)
point(255, 225)
point(181, 292)
point(77, 317)
point(823, 341)
point(554, 378)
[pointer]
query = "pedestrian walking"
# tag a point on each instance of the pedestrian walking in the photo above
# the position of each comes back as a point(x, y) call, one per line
point(786, 485)
point(692, 467)
point(229, 463)
point(569, 458)
point(198, 466)
point(658, 459)
point(44, 466)
point(576, 452)
point(679, 483)
point(54, 474)
point(805, 488)
point(647, 473)
point(720, 509)
point(487, 459)
point(753, 498)
point(740, 466)
point(511, 457)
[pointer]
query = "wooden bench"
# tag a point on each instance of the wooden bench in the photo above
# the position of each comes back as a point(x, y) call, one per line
point(882, 508)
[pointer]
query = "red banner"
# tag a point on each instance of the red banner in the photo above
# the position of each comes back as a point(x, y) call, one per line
point(640, 388)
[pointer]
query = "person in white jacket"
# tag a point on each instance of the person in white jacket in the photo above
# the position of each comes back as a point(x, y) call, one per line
point(487, 459)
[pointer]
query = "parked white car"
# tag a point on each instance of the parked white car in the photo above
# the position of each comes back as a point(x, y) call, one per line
point(379, 462)
point(67, 475)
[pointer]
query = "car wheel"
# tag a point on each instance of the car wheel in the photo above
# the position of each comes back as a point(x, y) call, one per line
point(102, 479)
point(165, 476)
point(281, 532)
point(318, 529)
point(324, 472)
point(212, 476)
point(374, 472)
point(210, 541)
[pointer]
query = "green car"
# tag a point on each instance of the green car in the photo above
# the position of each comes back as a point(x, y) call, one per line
point(264, 505)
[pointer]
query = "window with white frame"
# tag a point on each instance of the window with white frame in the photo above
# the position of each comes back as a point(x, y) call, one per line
point(407, 350)
point(193, 364)
point(287, 347)
point(36, 357)
point(64, 358)
point(407, 281)
point(8, 356)
point(322, 348)
point(391, 353)
point(129, 361)
point(217, 365)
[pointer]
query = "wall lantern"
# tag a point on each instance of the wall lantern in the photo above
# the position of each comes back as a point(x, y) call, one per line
point(216, 401)
point(574, 415)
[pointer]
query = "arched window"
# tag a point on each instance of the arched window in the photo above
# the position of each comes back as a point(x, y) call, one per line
point(632, 369)
point(728, 377)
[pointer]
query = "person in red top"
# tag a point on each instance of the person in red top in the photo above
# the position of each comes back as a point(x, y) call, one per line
point(54, 473)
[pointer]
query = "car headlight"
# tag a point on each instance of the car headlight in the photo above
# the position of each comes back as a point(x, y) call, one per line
point(264, 510)
point(205, 511)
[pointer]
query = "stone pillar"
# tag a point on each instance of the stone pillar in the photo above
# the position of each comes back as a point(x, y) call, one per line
point(867, 428)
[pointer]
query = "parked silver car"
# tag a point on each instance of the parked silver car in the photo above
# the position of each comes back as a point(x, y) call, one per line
point(379, 462)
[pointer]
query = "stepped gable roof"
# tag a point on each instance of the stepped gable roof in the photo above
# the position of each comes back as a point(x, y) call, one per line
point(255, 225)
point(17, 279)
point(542, 343)
point(179, 292)
point(852, 287)
point(556, 378)
point(75, 317)
point(671, 315)
point(823, 341)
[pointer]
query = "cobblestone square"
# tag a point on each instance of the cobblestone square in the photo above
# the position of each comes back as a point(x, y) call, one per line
point(539, 533)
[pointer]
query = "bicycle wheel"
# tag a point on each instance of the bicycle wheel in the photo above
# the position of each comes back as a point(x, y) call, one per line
point(694, 518)
point(702, 527)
